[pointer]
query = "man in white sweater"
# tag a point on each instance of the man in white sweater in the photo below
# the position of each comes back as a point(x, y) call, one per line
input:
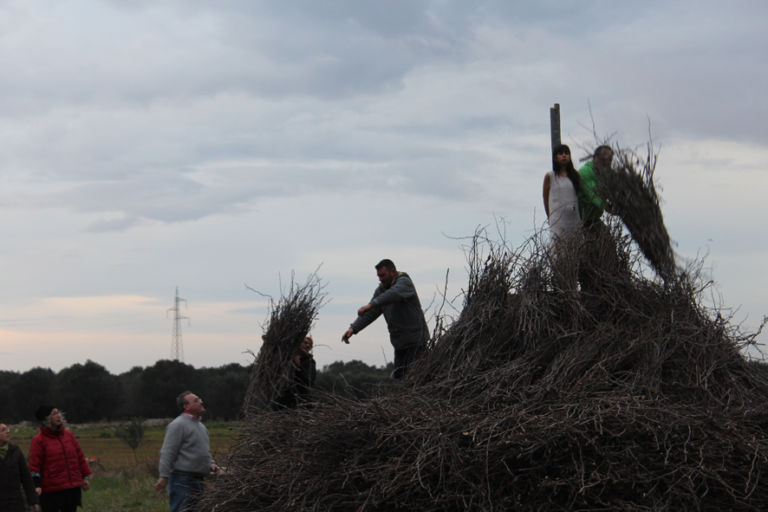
point(185, 458)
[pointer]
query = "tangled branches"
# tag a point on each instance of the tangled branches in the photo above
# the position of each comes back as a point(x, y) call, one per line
point(290, 320)
point(627, 394)
point(630, 189)
point(534, 399)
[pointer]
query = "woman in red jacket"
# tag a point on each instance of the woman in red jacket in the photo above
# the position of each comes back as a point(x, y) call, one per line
point(57, 463)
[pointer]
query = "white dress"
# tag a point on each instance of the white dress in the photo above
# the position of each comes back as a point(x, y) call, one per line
point(564, 220)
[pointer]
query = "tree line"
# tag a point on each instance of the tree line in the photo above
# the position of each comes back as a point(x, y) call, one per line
point(88, 392)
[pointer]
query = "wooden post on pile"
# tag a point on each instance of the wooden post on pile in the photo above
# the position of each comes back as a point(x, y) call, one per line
point(554, 125)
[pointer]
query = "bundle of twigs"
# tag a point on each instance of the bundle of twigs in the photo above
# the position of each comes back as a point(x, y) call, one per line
point(291, 318)
point(630, 189)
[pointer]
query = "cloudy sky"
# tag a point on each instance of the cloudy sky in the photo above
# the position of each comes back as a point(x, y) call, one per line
point(146, 145)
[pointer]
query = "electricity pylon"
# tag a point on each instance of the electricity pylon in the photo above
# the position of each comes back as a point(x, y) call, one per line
point(177, 347)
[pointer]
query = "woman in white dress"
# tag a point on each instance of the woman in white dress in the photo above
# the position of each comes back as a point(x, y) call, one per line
point(561, 188)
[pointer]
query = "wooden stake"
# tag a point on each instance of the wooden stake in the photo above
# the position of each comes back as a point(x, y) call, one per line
point(554, 125)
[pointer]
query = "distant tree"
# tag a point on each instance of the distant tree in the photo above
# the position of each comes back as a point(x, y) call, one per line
point(131, 405)
point(131, 434)
point(160, 384)
point(353, 378)
point(223, 390)
point(8, 384)
point(760, 366)
point(86, 392)
point(34, 388)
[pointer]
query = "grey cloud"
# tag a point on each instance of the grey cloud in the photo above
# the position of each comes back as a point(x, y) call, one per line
point(173, 197)
point(690, 69)
point(107, 225)
point(163, 197)
point(187, 85)
point(327, 51)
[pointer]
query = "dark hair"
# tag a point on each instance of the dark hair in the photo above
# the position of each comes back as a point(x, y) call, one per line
point(43, 412)
point(385, 263)
point(181, 400)
point(570, 170)
point(598, 149)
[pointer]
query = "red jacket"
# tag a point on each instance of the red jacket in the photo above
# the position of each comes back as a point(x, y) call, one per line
point(57, 457)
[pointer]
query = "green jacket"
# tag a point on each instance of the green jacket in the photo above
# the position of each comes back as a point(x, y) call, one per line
point(591, 206)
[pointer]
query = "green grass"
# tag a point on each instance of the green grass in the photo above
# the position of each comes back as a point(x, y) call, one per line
point(122, 480)
point(124, 491)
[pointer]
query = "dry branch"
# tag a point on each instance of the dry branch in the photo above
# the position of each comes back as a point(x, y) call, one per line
point(290, 321)
point(630, 189)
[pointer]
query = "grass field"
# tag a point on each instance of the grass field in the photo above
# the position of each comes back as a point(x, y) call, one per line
point(122, 480)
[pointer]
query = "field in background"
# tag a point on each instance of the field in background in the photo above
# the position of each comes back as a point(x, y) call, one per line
point(121, 480)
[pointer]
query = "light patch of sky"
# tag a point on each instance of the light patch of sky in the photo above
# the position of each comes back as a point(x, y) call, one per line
point(713, 204)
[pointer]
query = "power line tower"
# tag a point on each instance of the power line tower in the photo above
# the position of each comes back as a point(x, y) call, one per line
point(177, 347)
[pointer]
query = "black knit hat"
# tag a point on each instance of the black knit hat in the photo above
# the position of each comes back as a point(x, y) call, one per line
point(43, 412)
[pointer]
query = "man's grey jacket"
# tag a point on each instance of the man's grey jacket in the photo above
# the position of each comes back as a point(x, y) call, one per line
point(402, 310)
point(185, 447)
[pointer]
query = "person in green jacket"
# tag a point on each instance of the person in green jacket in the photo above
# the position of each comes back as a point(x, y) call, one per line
point(599, 248)
point(591, 205)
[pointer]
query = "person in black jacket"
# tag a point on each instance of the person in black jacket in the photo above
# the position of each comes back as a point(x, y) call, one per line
point(14, 474)
point(397, 300)
point(303, 373)
point(304, 370)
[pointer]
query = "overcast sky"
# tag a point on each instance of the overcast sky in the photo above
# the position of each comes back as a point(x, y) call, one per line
point(146, 145)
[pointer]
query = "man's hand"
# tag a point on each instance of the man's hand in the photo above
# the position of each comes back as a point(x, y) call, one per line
point(347, 334)
point(362, 310)
point(216, 470)
point(86, 484)
point(161, 483)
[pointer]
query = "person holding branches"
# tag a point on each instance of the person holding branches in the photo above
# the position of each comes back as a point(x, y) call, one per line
point(599, 253)
point(591, 205)
point(304, 371)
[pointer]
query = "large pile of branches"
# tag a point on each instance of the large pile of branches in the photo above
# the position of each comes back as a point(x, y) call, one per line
point(537, 397)
point(291, 318)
